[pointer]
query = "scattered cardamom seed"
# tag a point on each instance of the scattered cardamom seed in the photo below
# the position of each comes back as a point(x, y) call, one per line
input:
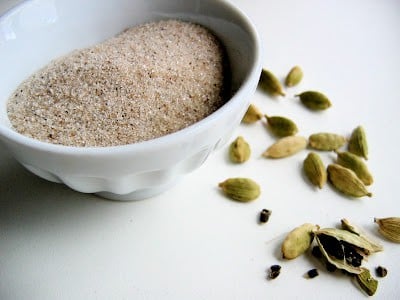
point(281, 126)
point(315, 170)
point(356, 164)
point(264, 216)
point(270, 83)
point(239, 150)
point(346, 181)
point(294, 76)
point(312, 273)
point(298, 241)
point(274, 271)
point(381, 271)
point(314, 100)
point(367, 283)
point(240, 189)
point(389, 228)
point(358, 142)
point(252, 115)
point(286, 146)
point(326, 141)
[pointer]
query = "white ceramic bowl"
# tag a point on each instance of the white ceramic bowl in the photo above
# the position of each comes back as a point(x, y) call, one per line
point(37, 31)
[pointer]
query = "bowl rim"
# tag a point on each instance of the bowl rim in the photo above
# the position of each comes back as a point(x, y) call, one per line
point(162, 141)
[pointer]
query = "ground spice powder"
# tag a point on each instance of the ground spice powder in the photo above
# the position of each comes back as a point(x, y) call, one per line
point(148, 81)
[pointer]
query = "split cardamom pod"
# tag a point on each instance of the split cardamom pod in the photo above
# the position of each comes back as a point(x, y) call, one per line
point(344, 249)
point(356, 164)
point(346, 181)
point(314, 100)
point(298, 241)
point(252, 115)
point(240, 189)
point(281, 126)
point(270, 84)
point(358, 142)
point(239, 150)
point(367, 283)
point(294, 76)
point(346, 225)
point(389, 228)
point(315, 170)
point(286, 146)
point(326, 141)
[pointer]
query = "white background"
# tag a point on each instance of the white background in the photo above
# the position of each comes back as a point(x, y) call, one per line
point(193, 243)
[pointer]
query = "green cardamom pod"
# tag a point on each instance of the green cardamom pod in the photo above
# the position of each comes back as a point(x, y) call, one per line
point(373, 245)
point(346, 181)
point(240, 189)
point(367, 283)
point(286, 146)
point(281, 126)
point(239, 150)
point(298, 241)
point(314, 100)
point(252, 115)
point(326, 141)
point(358, 142)
point(294, 76)
point(270, 84)
point(315, 170)
point(355, 163)
point(389, 228)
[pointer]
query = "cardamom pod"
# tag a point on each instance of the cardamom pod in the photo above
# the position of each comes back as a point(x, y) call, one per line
point(346, 181)
point(367, 283)
point(281, 126)
point(240, 189)
point(314, 100)
point(239, 150)
point(326, 141)
point(358, 142)
point(270, 84)
point(344, 249)
point(252, 115)
point(389, 228)
point(355, 163)
point(346, 225)
point(286, 146)
point(315, 170)
point(294, 76)
point(298, 241)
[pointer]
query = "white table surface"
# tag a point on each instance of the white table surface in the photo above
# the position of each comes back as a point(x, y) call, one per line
point(191, 242)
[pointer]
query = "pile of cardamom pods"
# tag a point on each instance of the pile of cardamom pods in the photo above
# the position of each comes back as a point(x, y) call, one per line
point(345, 248)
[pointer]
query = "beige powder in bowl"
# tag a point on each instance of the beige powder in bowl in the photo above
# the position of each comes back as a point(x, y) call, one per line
point(148, 81)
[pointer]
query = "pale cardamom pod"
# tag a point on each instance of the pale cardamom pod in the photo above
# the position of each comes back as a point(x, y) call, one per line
point(314, 100)
point(298, 241)
point(252, 115)
point(367, 283)
point(374, 246)
point(286, 146)
point(315, 170)
point(344, 249)
point(326, 141)
point(239, 150)
point(270, 84)
point(389, 228)
point(281, 126)
point(355, 163)
point(240, 189)
point(346, 181)
point(358, 142)
point(294, 76)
